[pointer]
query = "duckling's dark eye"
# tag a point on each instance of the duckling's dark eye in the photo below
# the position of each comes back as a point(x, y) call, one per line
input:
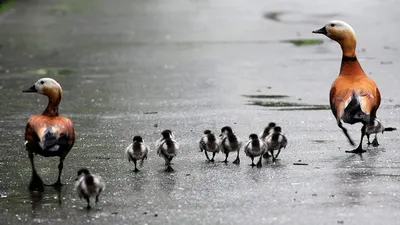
point(332, 24)
point(41, 82)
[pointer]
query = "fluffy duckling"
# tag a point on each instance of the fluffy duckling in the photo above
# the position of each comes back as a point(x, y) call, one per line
point(167, 148)
point(138, 150)
point(276, 141)
point(254, 148)
point(375, 128)
point(48, 134)
point(354, 97)
point(267, 131)
point(88, 185)
point(209, 143)
point(230, 143)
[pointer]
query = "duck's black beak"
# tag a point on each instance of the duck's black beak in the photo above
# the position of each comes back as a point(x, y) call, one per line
point(320, 31)
point(31, 89)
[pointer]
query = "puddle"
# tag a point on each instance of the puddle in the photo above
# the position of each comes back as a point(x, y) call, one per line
point(6, 5)
point(283, 105)
point(273, 16)
point(304, 42)
point(266, 96)
point(52, 71)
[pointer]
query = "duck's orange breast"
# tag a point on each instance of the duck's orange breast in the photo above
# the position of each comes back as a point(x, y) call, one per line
point(49, 136)
point(349, 82)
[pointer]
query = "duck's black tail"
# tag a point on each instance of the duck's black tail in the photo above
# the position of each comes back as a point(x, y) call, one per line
point(353, 113)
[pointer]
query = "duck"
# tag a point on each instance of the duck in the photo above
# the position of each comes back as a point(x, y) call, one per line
point(137, 150)
point(354, 97)
point(255, 147)
point(48, 134)
point(375, 128)
point(209, 143)
point(167, 148)
point(276, 141)
point(89, 185)
point(267, 131)
point(230, 143)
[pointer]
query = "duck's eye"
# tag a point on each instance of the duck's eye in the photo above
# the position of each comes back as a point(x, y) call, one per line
point(41, 82)
point(332, 24)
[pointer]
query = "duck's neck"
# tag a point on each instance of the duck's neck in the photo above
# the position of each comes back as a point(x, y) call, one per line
point(350, 65)
point(52, 106)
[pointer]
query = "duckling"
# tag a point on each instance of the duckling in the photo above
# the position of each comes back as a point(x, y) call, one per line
point(48, 134)
point(375, 128)
point(230, 143)
point(354, 97)
point(209, 143)
point(89, 185)
point(267, 131)
point(254, 148)
point(276, 141)
point(138, 150)
point(167, 148)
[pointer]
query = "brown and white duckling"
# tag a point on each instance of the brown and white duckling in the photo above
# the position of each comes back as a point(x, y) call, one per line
point(230, 143)
point(137, 150)
point(375, 128)
point(167, 148)
point(254, 148)
point(89, 185)
point(209, 143)
point(276, 141)
point(267, 131)
point(48, 134)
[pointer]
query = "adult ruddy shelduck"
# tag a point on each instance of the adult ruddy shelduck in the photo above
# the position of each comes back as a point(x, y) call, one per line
point(354, 97)
point(48, 134)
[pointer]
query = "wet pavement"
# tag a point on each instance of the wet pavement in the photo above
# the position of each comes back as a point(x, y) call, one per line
point(138, 67)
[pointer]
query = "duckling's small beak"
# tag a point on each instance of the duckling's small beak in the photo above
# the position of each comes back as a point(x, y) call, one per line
point(31, 89)
point(321, 31)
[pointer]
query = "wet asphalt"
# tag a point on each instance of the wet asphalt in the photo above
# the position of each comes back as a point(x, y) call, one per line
point(139, 67)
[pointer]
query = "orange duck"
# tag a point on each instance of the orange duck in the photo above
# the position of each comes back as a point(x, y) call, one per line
point(48, 134)
point(354, 97)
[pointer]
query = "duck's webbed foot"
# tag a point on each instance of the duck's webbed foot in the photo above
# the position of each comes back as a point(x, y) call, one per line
point(358, 150)
point(36, 183)
point(375, 142)
point(169, 169)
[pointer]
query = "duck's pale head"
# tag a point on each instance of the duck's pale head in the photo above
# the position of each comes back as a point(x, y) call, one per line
point(45, 86)
point(137, 139)
point(342, 33)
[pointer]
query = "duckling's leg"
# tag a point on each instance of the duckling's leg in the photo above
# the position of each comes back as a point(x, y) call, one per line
point(226, 157)
point(237, 160)
point(168, 163)
point(136, 169)
point(212, 159)
point(277, 154)
point(36, 183)
point(252, 161)
point(259, 163)
point(267, 155)
point(88, 202)
point(375, 142)
point(205, 152)
point(359, 149)
point(368, 143)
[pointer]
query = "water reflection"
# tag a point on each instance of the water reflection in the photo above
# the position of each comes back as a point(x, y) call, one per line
point(49, 197)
